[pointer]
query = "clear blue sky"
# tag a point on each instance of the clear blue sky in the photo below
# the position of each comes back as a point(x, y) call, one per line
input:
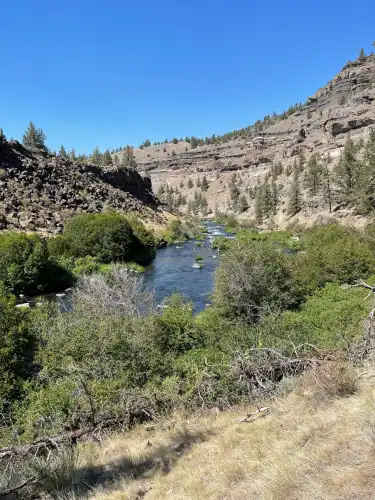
point(113, 72)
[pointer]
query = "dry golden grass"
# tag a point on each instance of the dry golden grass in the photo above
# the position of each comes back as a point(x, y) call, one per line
point(300, 450)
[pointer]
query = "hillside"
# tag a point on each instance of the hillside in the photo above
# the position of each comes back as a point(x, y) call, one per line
point(344, 107)
point(309, 444)
point(38, 192)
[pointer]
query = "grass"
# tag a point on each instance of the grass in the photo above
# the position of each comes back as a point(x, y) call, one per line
point(299, 450)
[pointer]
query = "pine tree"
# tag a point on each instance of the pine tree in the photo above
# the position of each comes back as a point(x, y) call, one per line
point(193, 142)
point(327, 184)
point(313, 175)
point(301, 162)
point(266, 199)
point(62, 152)
point(96, 156)
point(295, 199)
point(365, 188)
point(242, 204)
point(346, 172)
point(362, 54)
point(115, 160)
point(34, 138)
point(190, 183)
point(106, 158)
point(204, 185)
point(234, 192)
point(198, 182)
point(2, 135)
point(259, 205)
point(274, 197)
point(72, 154)
point(128, 158)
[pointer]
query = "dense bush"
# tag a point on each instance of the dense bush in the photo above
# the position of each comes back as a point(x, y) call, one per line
point(17, 349)
point(107, 236)
point(110, 237)
point(331, 318)
point(25, 266)
point(334, 254)
point(254, 279)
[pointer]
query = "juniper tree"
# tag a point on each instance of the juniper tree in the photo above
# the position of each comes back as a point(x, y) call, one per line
point(34, 138)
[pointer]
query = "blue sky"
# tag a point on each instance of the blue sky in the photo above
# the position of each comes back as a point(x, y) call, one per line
point(113, 72)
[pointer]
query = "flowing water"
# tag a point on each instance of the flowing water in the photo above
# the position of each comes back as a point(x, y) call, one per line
point(172, 270)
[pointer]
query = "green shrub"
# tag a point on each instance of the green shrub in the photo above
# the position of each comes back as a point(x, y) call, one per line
point(334, 254)
point(86, 265)
point(25, 266)
point(107, 236)
point(331, 318)
point(176, 231)
point(58, 246)
point(18, 346)
point(144, 247)
point(254, 279)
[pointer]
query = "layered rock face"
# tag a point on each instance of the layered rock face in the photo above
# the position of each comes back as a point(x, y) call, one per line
point(38, 192)
point(346, 105)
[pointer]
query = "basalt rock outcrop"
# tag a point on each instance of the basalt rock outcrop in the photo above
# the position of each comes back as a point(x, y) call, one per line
point(38, 192)
point(345, 106)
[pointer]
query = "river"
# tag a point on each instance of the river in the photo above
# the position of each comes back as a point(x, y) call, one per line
point(172, 270)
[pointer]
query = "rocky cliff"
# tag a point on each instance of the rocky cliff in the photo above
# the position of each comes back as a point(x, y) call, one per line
point(345, 106)
point(38, 192)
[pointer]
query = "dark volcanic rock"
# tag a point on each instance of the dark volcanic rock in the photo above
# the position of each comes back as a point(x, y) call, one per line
point(39, 192)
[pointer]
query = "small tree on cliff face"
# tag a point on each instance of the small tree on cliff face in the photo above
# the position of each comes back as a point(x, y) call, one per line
point(34, 138)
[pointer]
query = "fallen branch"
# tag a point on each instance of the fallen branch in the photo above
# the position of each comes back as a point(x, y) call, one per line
point(48, 443)
point(27, 482)
point(255, 415)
